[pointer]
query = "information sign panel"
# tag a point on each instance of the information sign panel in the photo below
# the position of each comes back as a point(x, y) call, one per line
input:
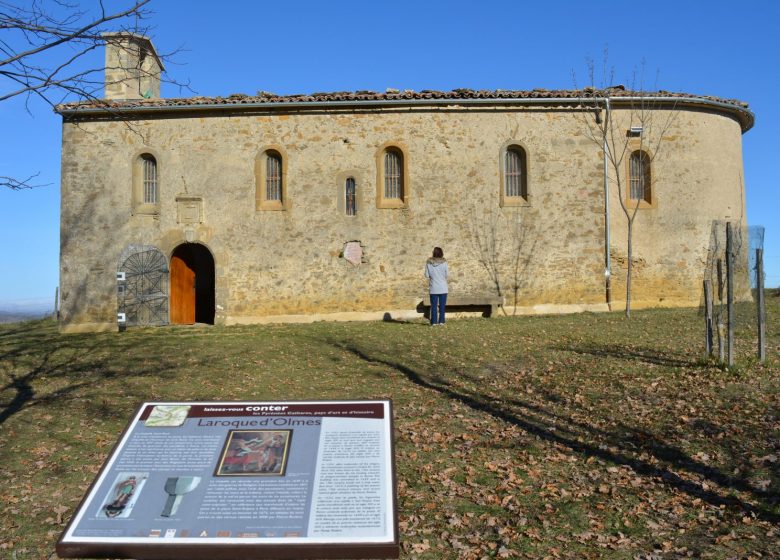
point(244, 480)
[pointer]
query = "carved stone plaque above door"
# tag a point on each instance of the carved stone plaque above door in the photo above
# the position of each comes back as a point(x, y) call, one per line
point(189, 209)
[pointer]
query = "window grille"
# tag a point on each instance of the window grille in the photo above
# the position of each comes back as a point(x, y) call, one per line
point(150, 180)
point(393, 175)
point(514, 172)
point(273, 177)
point(349, 193)
point(639, 176)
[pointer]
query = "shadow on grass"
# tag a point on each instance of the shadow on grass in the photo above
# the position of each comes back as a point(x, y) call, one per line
point(31, 356)
point(388, 318)
point(637, 449)
point(642, 355)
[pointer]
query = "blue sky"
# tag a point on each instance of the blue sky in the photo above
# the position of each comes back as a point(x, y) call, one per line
point(711, 48)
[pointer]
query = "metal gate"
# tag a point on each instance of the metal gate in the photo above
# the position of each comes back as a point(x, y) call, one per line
point(142, 287)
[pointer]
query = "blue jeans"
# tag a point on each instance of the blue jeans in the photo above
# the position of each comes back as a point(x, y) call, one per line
point(438, 303)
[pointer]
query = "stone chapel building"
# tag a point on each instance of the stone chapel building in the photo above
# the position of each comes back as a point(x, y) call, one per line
point(268, 208)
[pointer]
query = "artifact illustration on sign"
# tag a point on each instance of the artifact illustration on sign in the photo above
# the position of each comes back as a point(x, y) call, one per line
point(176, 487)
point(120, 501)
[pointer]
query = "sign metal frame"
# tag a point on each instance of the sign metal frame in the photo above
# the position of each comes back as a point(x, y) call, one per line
point(256, 443)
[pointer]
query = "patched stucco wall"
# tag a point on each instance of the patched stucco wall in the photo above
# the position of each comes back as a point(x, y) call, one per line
point(284, 264)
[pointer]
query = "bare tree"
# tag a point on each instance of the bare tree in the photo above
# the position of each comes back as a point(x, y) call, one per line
point(631, 140)
point(46, 51)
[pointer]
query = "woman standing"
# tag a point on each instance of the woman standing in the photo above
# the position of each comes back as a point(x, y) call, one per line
point(436, 271)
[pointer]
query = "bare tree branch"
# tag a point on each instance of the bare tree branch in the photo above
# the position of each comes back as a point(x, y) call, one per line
point(19, 184)
point(60, 29)
point(47, 51)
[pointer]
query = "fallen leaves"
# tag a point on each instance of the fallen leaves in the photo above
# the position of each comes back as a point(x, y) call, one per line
point(561, 437)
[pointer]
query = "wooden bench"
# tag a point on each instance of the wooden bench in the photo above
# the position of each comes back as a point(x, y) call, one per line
point(489, 303)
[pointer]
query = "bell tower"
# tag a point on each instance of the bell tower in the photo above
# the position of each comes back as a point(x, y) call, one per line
point(133, 68)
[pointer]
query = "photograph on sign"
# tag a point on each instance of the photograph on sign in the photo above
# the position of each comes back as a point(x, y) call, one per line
point(227, 475)
point(255, 453)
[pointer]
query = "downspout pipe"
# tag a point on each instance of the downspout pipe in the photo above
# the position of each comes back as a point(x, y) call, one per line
point(607, 225)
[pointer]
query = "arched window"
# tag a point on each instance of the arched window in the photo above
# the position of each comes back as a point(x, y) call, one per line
point(350, 192)
point(394, 179)
point(514, 177)
point(150, 179)
point(146, 185)
point(271, 180)
point(514, 172)
point(640, 180)
point(273, 176)
point(392, 174)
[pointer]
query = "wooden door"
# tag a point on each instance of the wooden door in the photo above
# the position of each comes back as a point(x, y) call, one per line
point(182, 292)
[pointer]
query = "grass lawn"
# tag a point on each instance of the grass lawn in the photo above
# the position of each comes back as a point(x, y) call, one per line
point(579, 436)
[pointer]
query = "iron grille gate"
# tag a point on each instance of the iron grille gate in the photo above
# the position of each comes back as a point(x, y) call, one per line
point(142, 287)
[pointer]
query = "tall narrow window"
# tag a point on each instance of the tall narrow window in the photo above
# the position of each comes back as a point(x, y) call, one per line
point(273, 177)
point(640, 185)
point(150, 179)
point(394, 185)
point(349, 197)
point(515, 184)
point(146, 185)
point(392, 176)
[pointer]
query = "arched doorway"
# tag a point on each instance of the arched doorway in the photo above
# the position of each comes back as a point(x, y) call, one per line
point(192, 285)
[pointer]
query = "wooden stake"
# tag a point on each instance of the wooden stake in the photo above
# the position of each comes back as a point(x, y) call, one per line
point(721, 329)
point(730, 291)
point(707, 320)
point(761, 306)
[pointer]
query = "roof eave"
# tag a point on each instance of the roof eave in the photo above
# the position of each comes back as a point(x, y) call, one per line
point(744, 116)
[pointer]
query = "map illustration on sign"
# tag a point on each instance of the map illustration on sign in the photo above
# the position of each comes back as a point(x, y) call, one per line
point(167, 416)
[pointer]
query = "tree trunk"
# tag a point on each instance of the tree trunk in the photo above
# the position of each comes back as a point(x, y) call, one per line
point(630, 266)
point(730, 293)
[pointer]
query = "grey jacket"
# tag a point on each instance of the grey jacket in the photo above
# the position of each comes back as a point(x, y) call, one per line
point(436, 271)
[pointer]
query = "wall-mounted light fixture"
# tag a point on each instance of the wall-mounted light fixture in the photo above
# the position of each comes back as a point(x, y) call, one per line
point(635, 131)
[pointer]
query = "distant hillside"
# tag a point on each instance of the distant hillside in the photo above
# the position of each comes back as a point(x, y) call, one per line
point(24, 310)
point(11, 317)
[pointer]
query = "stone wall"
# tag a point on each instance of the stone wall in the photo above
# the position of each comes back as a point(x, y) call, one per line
point(285, 265)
